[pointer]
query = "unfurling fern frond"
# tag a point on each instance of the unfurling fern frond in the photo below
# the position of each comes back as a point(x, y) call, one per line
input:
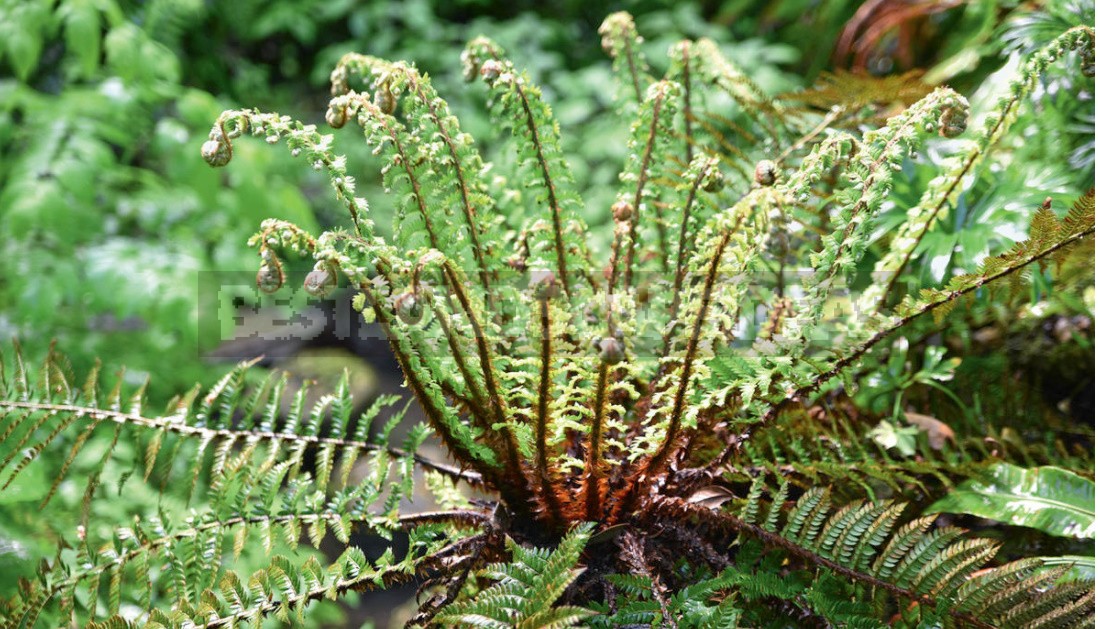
point(526, 589)
point(555, 231)
point(946, 189)
point(621, 41)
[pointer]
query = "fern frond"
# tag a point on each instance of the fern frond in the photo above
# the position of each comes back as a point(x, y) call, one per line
point(808, 452)
point(526, 589)
point(463, 183)
point(518, 105)
point(621, 41)
point(191, 553)
point(649, 147)
point(727, 76)
point(35, 417)
point(945, 189)
point(938, 570)
point(851, 91)
point(1054, 237)
point(732, 245)
point(237, 449)
point(881, 151)
point(302, 140)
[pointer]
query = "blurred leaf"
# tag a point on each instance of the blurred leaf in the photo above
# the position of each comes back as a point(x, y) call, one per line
point(136, 57)
point(888, 435)
point(22, 27)
point(82, 33)
point(937, 431)
point(935, 367)
point(26, 487)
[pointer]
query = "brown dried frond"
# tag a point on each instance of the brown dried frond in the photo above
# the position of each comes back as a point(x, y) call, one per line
point(854, 90)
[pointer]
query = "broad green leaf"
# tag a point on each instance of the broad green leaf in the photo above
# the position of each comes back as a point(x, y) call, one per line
point(1050, 499)
point(889, 435)
point(83, 33)
point(24, 48)
point(23, 28)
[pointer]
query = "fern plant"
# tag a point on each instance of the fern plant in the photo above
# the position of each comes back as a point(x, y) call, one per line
point(614, 396)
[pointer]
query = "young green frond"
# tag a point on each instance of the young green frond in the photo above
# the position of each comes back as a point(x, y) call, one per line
point(556, 235)
point(526, 589)
point(621, 41)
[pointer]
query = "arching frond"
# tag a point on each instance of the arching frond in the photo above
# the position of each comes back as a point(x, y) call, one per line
point(930, 574)
point(266, 469)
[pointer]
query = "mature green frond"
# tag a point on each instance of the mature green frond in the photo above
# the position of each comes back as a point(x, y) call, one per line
point(223, 424)
point(264, 474)
point(938, 570)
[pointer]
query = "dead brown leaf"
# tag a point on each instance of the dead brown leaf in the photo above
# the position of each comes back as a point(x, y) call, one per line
point(712, 496)
point(937, 431)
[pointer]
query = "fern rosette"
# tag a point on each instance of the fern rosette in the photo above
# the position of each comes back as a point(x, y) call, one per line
point(611, 395)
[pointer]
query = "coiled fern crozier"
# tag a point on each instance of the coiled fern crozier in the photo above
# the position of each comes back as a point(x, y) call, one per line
point(607, 395)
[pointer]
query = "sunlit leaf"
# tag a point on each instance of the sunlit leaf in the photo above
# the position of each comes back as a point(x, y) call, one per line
point(1050, 499)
